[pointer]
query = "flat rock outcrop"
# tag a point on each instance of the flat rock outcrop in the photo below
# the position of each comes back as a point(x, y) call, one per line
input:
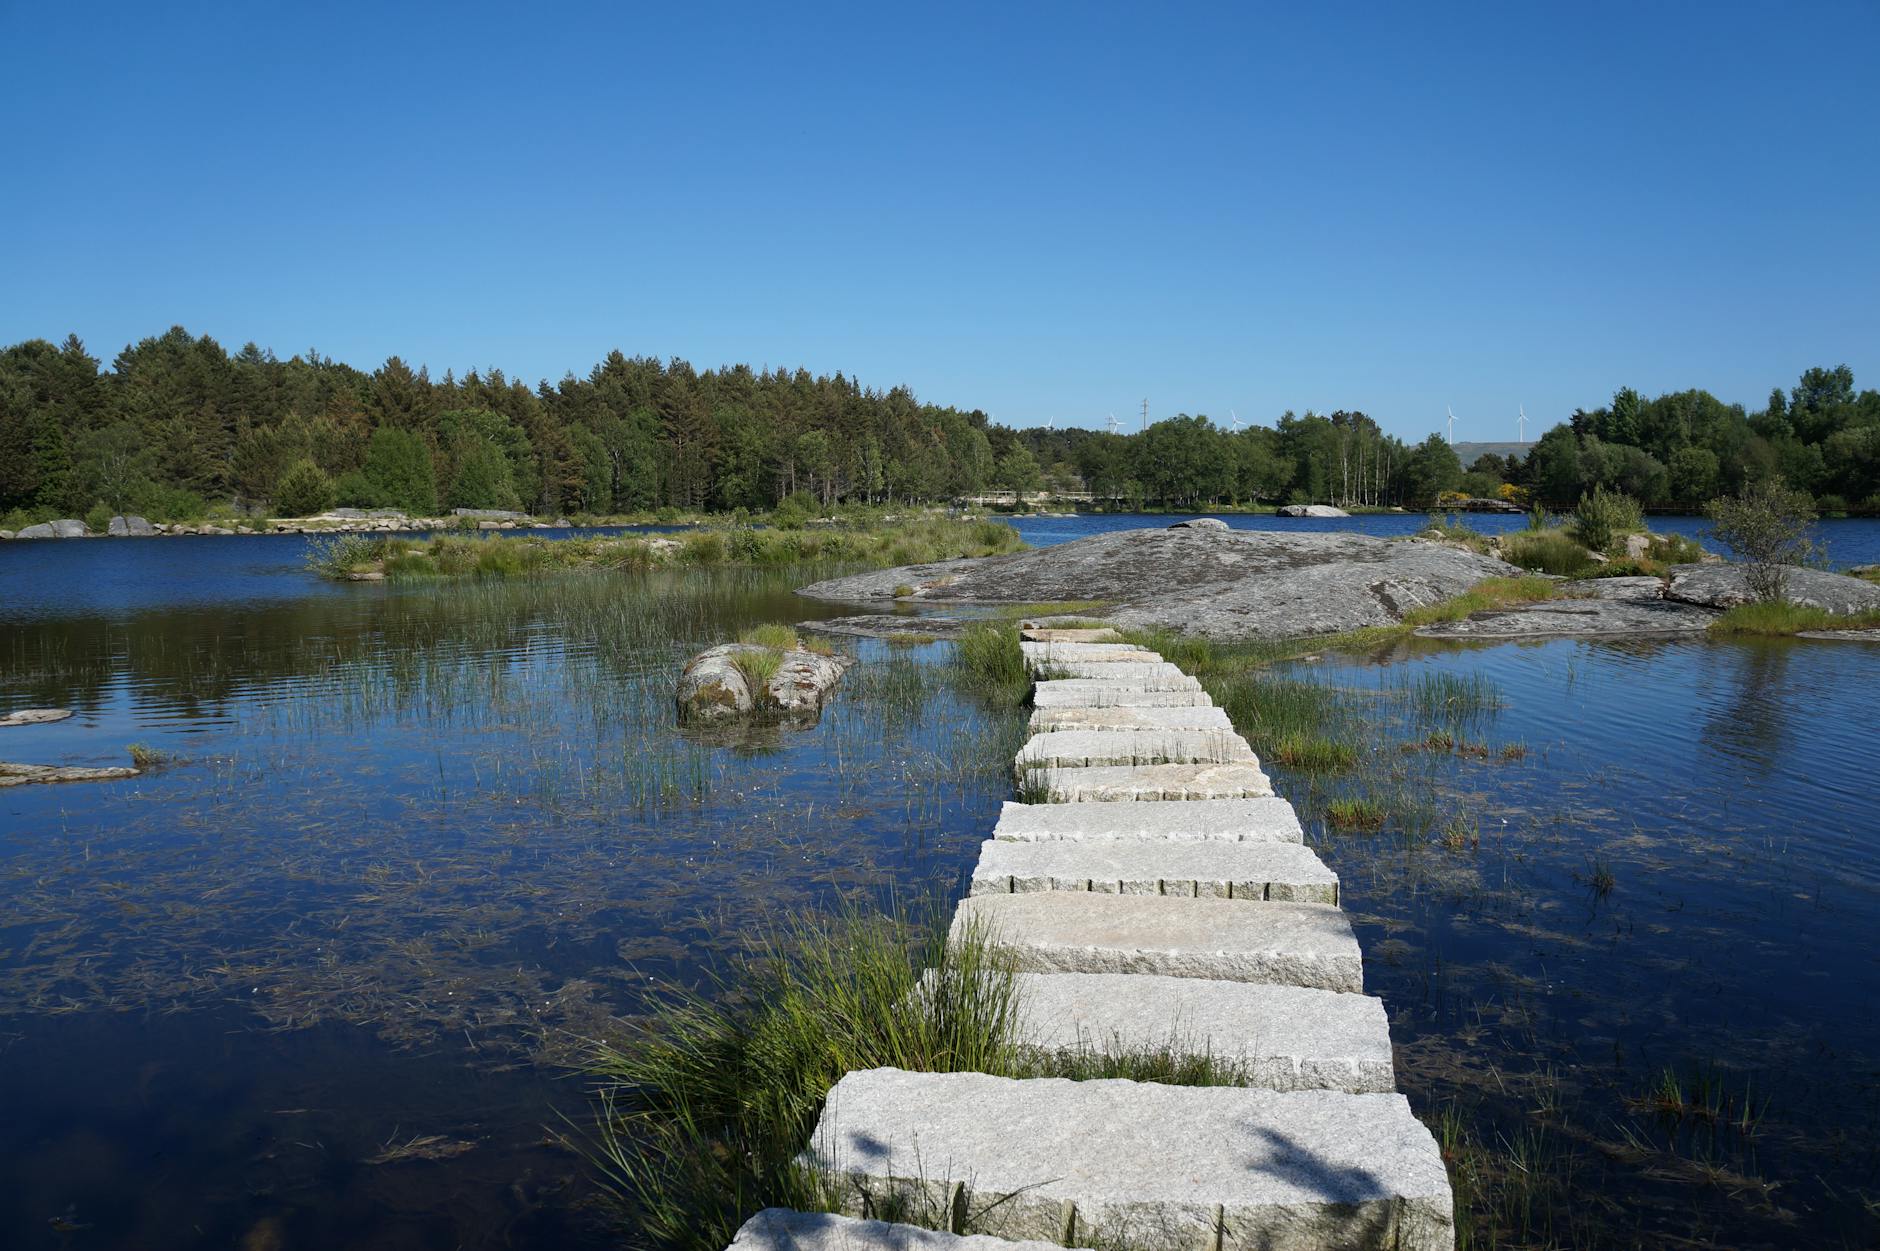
point(1723, 586)
point(1309, 510)
point(20, 774)
point(34, 716)
point(1225, 584)
point(884, 625)
point(715, 687)
point(1639, 617)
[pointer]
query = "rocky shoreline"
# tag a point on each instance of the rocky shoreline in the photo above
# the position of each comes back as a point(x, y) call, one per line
point(1203, 579)
point(334, 521)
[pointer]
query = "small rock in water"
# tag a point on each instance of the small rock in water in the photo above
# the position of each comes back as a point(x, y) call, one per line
point(20, 774)
point(35, 716)
point(1200, 523)
point(714, 688)
point(1310, 510)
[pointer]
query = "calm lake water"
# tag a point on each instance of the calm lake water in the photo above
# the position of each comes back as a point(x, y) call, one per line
point(418, 843)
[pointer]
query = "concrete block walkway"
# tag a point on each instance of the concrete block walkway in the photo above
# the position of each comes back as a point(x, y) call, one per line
point(1159, 902)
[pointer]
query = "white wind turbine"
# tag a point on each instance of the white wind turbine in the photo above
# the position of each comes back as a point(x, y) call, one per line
point(1522, 419)
point(1452, 427)
point(1238, 423)
point(1115, 425)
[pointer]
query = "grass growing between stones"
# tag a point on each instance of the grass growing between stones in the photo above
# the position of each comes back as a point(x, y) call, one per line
point(1484, 596)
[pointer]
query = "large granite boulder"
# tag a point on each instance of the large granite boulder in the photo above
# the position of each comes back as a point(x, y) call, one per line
point(63, 529)
point(131, 526)
point(1724, 586)
point(1309, 510)
point(1224, 584)
point(715, 687)
point(1200, 523)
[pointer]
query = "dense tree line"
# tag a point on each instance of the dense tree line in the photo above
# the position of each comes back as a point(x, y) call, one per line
point(1189, 462)
point(1683, 449)
point(177, 420)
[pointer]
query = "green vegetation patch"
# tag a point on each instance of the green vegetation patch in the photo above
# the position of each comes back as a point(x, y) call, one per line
point(1776, 618)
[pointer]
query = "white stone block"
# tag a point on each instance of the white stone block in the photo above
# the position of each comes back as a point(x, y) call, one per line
point(1153, 782)
point(1109, 719)
point(1276, 1037)
point(1289, 944)
point(1076, 749)
point(1248, 872)
point(1141, 1165)
point(1267, 819)
point(1090, 693)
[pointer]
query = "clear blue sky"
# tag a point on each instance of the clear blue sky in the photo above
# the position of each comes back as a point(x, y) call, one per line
point(1045, 211)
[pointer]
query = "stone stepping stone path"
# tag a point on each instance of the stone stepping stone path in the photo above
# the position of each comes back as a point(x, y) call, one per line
point(1140, 1165)
point(1290, 944)
point(1276, 1037)
point(1160, 903)
point(1113, 784)
point(1060, 749)
point(1244, 871)
point(1105, 719)
point(1267, 819)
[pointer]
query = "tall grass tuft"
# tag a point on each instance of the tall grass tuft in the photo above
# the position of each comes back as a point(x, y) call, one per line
point(991, 665)
point(773, 635)
point(1547, 551)
point(706, 1106)
point(1487, 594)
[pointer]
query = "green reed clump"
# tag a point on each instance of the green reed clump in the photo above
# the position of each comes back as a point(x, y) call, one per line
point(1186, 651)
point(1776, 618)
point(145, 756)
point(1451, 700)
point(1354, 813)
point(758, 665)
point(1271, 709)
point(1547, 551)
point(1313, 754)
point(705, 1107)
point(343, 554)
point(990, 664)
point(772, 634)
